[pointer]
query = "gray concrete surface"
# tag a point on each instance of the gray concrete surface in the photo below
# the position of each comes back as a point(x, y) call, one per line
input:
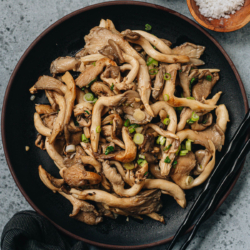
point(21, 21)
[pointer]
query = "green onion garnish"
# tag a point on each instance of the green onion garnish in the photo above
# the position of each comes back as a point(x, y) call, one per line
point(98, 129)
point(180, 70)
point(194, 117)
point(174, 164)
point(183, 147)
point(167, 160)
point(76, 123)
point(192, 80)
point(129, 165)
point(86, 111)
point(153, 72)
point(152, 61)
point(131, 130)
point(94, 101)
point(189, 121)
point(142, 163)
point(183, 152)
point(209, 78)
point(112, 87)
point(93, 63)
point(146, 173)
point(188, 145)
point(84, 138)
point(89, 97)
point(127, 123)
point(91, 82)
point(204, 122)
point(142, 156)
point(167, 148)
point(167, 76)
point(166, 97)
point(83, 89)
point(191, 98)
point(179, 148)
point(166, 121)
point(148, 27)
point(139, 161)
point(109, 149)
point(138, 138)
point(161, 140)
point(134, 125)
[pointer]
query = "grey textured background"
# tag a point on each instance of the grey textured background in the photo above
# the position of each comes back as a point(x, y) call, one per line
point(22, 21)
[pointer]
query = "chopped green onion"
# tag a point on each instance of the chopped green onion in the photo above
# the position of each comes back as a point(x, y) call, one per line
point(183, 147)
point(111, 122)
point(138, 138)
point(188, 145)
point(142, 156)
point(142, 162)
point(180, 70)
point(192, 80)
point(89, 97)
point(131, 130)
point(83, 89)
point(146, 173)
point(139, 161)
point(109, 149)
point(134, 125)
point(167, 160)
point(175, 163)
point(167, 76)
point(183, 152)
point(76, 123)
point(93, 63)
point(167, 148)
point(127, 123)
point(154, 47)
point(161, 140)
point(190, 122)
point(209, 78)
point(166, 121)
point(129, 165)
point(112, 87)
point(58, 110)
point(148, 27)
point(179, 148)
point(95, 100)
point(84, 138)
point(204, 122)
point(195, 117)
point(153, 72)
point(166, 97)
point(86, 111)
point(152, 61)
point(191, 98)
point(98, 129)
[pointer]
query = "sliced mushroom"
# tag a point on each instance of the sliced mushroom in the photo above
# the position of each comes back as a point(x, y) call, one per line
point(169, 188)
point(186, 114)
point(93, 162)
point(203, 88)
point(213, 100)
point(159, 82)
point(39, 142)
point(48, 83)
point(63, 64)
point(117, 124)
point(189, 49)
point(108, 24)
point(157, 217)
point(44, 109)
point(154, 53)
point(202, 159)
point(206, 121)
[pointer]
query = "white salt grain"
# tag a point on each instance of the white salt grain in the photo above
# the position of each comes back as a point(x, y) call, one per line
point(219, 8)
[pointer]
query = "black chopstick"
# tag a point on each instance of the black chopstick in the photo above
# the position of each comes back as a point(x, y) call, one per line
point(223, 183)
point(225, 162)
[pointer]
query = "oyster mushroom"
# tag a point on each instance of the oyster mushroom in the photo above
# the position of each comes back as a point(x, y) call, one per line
point(88, 160)
point(206, 121)
point(186, 114)
point(189, 49)
point(63, 64)
point(127, 155)
point(40, 127)
point(48, 83)
point(202, 159)
point(118, 183)
point(101, 89)
point(159, 82)
point(152, 52)
point(44, 109)
point(181, 173)
point(39, 142)
point(222, 117)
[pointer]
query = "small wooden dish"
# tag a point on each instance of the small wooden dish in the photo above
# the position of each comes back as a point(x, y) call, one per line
point(235, 22)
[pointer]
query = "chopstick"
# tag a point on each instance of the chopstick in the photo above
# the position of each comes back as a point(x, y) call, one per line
point(226, 164)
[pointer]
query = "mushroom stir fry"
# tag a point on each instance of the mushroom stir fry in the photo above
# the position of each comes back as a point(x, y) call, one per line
point(126, 129)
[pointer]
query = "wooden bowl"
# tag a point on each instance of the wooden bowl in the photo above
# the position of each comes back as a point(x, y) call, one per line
point(235, 22)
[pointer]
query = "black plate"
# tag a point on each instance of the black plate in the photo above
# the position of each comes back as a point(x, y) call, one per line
point(65, 37)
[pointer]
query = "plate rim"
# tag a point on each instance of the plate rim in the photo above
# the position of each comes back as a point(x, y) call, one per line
point(61, 20)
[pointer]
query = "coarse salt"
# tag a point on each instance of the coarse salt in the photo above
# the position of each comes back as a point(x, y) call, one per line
point(219, 8)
